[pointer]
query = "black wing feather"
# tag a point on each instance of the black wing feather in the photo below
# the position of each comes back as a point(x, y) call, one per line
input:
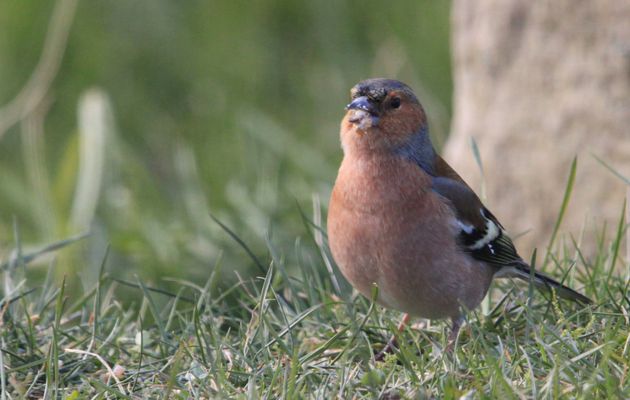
point(481, 234)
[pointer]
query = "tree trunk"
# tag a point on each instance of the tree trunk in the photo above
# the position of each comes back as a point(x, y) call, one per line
point(536, 84)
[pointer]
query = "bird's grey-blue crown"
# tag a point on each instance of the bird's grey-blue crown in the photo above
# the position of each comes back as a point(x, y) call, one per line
point(377, 88)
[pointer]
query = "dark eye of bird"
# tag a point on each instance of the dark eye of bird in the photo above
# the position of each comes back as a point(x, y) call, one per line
point(395, 102)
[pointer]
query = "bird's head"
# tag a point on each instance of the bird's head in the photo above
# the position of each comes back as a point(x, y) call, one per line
point(383, 115)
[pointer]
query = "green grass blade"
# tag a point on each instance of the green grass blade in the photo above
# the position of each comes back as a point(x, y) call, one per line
point(27, 258)
point(613, 170)
point(563, 208)
point(241, 243)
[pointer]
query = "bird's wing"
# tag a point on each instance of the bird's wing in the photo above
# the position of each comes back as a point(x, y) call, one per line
point(480, 233)
point(484, 238)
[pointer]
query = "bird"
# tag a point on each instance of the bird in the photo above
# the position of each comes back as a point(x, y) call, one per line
point(400, 218)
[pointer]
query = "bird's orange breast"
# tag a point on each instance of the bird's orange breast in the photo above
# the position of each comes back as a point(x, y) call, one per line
point(386, 227)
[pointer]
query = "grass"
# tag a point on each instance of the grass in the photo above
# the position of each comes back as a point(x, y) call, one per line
point(290, 333)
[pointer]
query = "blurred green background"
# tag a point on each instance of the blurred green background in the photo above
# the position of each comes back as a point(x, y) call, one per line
point(159, 112)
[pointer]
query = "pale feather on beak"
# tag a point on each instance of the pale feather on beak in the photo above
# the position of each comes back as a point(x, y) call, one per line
point(364, 113)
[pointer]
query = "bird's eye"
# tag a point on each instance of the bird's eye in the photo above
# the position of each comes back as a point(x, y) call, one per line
point(395, 102)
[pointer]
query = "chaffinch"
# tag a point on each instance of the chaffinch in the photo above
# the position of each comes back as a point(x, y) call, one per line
point(401, 218)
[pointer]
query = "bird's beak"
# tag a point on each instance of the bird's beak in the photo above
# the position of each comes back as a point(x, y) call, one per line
point(364, 113)
point(363, 103)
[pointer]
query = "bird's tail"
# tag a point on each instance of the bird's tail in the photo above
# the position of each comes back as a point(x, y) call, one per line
point(543, 282)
